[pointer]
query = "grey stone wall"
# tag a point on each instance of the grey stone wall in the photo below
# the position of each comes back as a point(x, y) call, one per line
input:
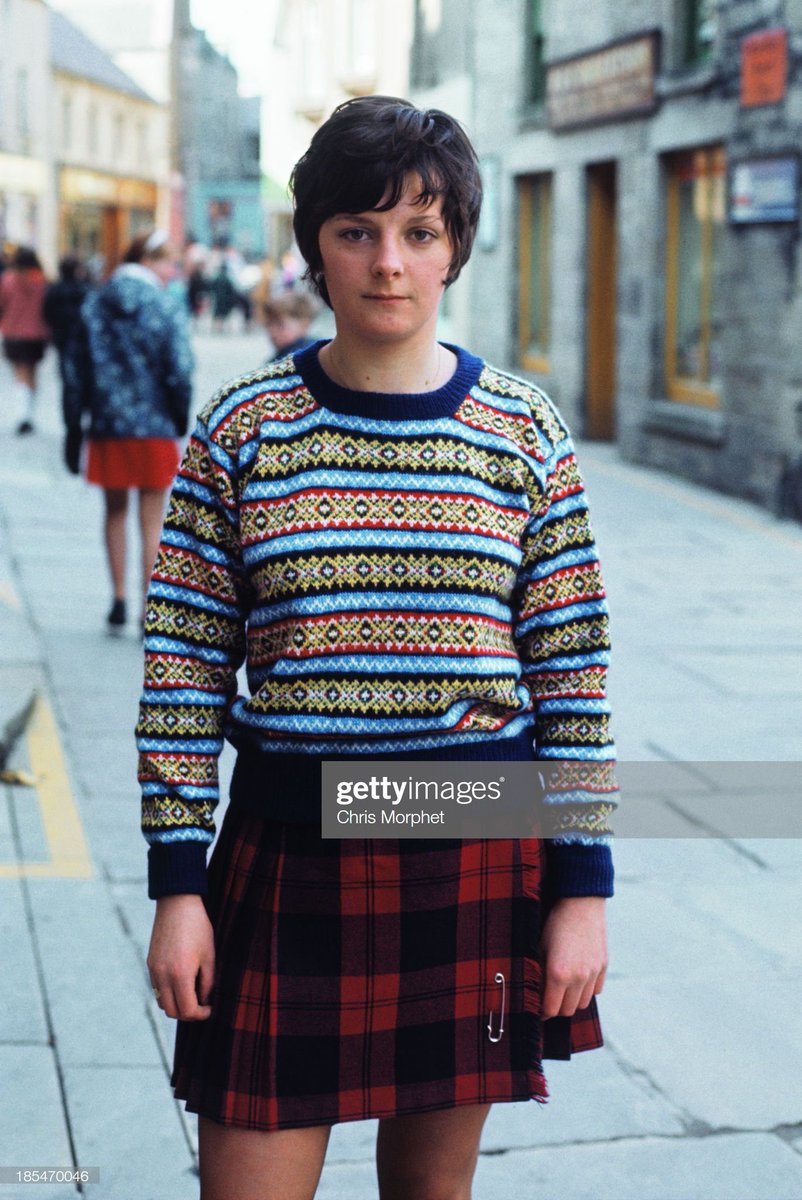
point(747, 443)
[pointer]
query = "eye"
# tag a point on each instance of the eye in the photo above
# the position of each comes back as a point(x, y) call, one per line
point(353, 234)
point(422, 236)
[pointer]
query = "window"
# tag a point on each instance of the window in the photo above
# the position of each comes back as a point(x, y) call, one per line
point(66, 122)
point(92, 130)
point(534, 271)
point(535, 53)
point(696, 215)
point(23, 111)
point(699, 20)
point(362, 30)
point(142, 144)
point(118, 147)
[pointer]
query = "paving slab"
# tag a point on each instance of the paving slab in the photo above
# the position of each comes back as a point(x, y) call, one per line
point(591, 1098)
point(722, 1055)
point(96, 987)
point(125, 1122)
point(33, 1129)
point(22, 1014)
point(727, 1167)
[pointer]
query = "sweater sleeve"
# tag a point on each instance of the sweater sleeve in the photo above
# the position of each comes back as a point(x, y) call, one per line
point(194, 645)
point(562, 637)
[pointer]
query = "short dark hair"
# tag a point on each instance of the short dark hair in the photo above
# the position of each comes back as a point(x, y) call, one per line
point(26, 259)
point(364, 152)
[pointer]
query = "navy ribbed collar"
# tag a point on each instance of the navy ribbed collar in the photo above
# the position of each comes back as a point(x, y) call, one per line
point(387, 406)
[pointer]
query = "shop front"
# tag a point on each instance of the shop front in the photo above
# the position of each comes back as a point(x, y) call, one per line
point(100, 213)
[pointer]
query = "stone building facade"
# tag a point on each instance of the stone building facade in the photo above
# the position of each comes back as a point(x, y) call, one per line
point(111, 140)
point(639, 254)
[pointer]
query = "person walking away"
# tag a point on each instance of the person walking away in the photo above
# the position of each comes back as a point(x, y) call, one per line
point(287, 318)
point(128, 372)
point(62, 306)
point(25, 332)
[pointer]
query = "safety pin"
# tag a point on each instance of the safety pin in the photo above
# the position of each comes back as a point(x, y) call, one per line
point(497, 1037)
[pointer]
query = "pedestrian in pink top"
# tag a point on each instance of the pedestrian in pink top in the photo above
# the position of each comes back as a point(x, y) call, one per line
point(22, 324)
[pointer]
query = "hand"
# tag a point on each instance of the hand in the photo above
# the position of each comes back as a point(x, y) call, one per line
point(574, 952)
point(72, 451)
point(181, 958)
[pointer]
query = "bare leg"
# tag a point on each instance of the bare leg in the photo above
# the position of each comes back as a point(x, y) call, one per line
point(250, 1165)
point(115, 533)
point(151, 517)
point(25, 381)
point(430, 1156)
point(25, 373)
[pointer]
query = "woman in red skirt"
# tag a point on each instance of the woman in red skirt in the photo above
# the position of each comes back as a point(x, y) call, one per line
point(392, 536)
point(127, 369)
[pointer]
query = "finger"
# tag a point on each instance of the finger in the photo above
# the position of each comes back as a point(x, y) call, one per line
point(205, 985)
point(186, 997)
point(552, 999)
point(600, 978)
point(570, 1001)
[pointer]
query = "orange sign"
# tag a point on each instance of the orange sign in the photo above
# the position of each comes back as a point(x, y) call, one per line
point(764, 67)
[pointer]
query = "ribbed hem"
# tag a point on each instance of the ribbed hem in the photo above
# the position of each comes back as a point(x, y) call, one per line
point(578, 870)
point(389, 406)
point(177, 869)
point(288, 787)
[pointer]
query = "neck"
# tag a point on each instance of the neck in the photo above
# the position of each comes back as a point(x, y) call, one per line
point(397, 370)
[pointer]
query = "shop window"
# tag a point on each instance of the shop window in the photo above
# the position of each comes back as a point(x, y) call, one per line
point(534, 271)
point(535, 53)
point(698, 31)
point(696, 205)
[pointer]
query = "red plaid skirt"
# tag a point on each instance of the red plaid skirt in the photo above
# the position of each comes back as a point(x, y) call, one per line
point(369, 978)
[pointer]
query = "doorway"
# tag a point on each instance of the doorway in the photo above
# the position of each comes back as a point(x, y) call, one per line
point(601, 315)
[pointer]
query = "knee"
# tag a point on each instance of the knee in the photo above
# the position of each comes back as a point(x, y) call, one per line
point(424, 1185)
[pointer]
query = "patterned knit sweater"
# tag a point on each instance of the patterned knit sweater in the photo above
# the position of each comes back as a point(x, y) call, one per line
point(400, 574)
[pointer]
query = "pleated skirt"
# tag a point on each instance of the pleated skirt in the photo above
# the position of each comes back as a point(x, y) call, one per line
point(369, 978)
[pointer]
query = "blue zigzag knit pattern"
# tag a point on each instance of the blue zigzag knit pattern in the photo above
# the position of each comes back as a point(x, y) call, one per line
point(399, 574)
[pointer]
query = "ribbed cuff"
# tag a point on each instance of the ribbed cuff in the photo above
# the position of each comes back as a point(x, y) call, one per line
point(574, 869)
point(177, 869)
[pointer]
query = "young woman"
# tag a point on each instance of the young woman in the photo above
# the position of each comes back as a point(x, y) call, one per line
point(129, 368)
point(25, 331)
point(393, 536)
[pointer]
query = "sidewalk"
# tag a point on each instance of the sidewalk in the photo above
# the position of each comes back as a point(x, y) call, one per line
point(696, 1095)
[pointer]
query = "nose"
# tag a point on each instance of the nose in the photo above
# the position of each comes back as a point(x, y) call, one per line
point(388, 261)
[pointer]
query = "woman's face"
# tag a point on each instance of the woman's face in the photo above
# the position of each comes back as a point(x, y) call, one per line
point(385, 271)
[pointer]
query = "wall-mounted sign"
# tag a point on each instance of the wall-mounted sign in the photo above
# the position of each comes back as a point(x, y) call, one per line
point(617, 80)
point(764, 67)
point(764, 190)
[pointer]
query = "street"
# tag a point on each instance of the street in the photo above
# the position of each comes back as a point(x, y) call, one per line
point(696, 1094)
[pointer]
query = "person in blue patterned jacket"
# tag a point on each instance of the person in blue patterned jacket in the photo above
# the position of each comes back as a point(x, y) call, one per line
point(128, 375)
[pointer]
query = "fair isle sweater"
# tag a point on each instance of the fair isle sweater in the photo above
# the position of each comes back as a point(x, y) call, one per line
point(401, 574)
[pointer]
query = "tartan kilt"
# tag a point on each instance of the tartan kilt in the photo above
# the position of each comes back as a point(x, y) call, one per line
point(362, 978)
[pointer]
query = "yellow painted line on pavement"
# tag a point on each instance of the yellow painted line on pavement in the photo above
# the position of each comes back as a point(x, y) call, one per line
point(711, 506)
point(69, 853)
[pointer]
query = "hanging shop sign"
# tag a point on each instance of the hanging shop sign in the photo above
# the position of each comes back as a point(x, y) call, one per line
point(764, 190)
point(92, 187)
point(764, 67)
point(617, 80)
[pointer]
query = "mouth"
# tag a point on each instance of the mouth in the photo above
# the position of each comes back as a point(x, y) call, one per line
point(383, 298)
